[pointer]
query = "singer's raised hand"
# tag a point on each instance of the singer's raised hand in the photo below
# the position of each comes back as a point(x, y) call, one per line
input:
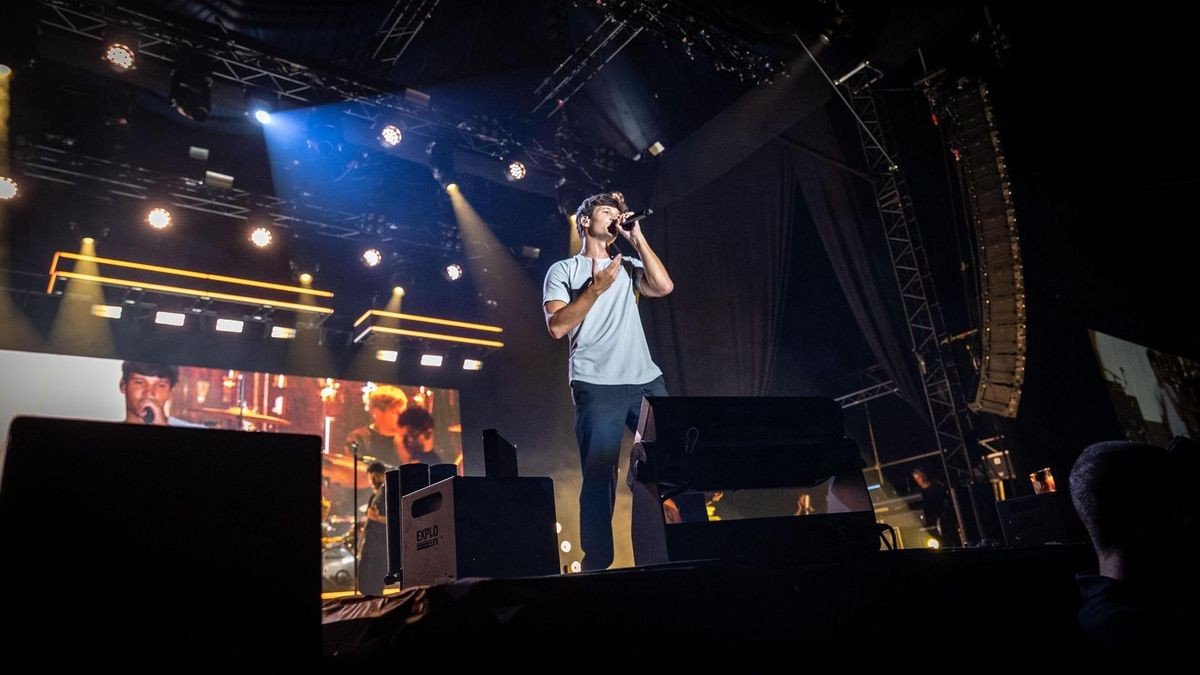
point(602, 279)
point(631, 231)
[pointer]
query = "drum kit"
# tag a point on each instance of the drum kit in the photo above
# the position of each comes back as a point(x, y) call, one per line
point(338, 553)
point(247, 419)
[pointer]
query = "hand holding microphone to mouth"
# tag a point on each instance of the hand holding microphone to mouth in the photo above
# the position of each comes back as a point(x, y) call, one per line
point(151, 412)
point(630, 217)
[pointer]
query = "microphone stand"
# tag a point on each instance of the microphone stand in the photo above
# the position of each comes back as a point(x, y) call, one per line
point(354, 517)
point(241, 396)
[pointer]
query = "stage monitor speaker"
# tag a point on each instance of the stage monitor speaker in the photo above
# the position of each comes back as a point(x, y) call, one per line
point(775, 541)
point(479, 527)
point(148, 545)
point(730, 443)
point(705, 444)
point(1040, 519)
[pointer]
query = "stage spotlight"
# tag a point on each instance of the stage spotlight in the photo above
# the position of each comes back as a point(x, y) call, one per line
point(372, 257)
point(261, 237)
point(169, 318)
point(283, 333)
point(159, 218)
point(217, 180)
point(472, 364)
point(8, 188)
point(260, 105)
point(389, 355)
point(230, 325)
point(306, 279)
point(398, 290)
point(107, 311)
point(390, 136)
point(191, 91)
point(431, 360)
point(452, 272)
point(515, 170)
point(565, 546)
point(838, 24)
point(119, 48)
point(441, 163)
point(576, 567)
point(5, 71)
point(119, 56)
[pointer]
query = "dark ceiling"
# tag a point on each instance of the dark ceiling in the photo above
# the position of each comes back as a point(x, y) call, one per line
point(484, 66)
point(1088, 111)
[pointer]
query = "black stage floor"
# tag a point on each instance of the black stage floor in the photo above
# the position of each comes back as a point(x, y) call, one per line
point(893, 608)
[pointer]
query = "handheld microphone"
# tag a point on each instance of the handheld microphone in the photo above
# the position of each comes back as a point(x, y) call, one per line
point(148, 415)
point(634, 217)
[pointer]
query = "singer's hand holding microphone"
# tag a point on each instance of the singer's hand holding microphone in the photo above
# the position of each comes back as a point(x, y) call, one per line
point(152, 413)
point(628, 222)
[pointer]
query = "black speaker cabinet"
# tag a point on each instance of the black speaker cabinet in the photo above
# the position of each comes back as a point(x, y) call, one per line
point(690, 445)
point(1040, 519)
point(147, 545)
point(470, 526)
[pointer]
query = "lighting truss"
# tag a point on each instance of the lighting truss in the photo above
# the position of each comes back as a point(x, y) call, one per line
point(670, 20)
point(240, 61)
point(71, 168)
point(402, 23)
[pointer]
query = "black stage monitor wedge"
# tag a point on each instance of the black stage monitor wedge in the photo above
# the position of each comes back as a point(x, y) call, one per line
point(152, 545)
point(730, 443)
point(689, 445)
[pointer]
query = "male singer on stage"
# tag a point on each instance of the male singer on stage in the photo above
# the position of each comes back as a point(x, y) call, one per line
point(592, 299)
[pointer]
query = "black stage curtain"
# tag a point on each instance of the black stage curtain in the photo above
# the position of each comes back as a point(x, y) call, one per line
point(728, 247)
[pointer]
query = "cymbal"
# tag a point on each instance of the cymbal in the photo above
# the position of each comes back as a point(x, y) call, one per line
point(340, 470)
point(245, 413)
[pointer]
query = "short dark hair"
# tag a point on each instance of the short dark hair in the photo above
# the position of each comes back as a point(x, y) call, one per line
point(1121, 491)
point(128, 368)
point(377, 467)
point(416, 419)
point(590, 204)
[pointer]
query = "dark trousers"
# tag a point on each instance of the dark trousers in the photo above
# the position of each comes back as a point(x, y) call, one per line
point(602, 412)
point(372, 565)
